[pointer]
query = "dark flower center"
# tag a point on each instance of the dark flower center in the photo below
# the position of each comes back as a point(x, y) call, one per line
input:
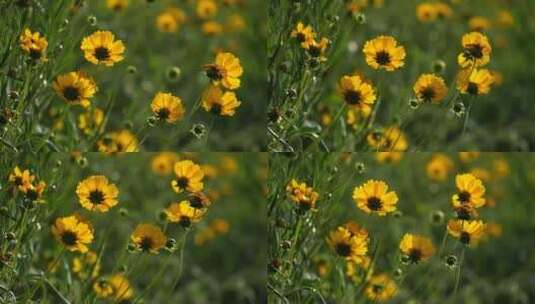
point(463, 213)
point(96, 197)
point(473, 51)
point(300, 37)
point(146, 243)
point(382, 58)
point(196, 202)
point(352, 97)
point(343, 249)
point(18, 181)
point(465, 237)
point(213, 73)
point(376, 288)
point(464, 197)
point(217, 108)
point(182, 182)
point(314, 51)
point(428, 94)
point(102, 53)
point(472, 88)
point(374, 203)
point(163, 113)
point(415, 255)
point(69, 238)
point(71, 93)
point(35, 54)
point(185, 221)
point(32, 195)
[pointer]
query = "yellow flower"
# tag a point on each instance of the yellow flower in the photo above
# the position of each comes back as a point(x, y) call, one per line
point(33, 191)
point(219, 102)
point(184, 214)
point(166, 23)
point(443, 10)
point(148, 238)
point(33, 44)
point(391, 157)
point(91, 120)
point(189, 177)
point(500, 168)
point(102, 48)
point(383, 52)
point(73, 232)
point(468, 232)
point(471, 191)
point(430, 88)
point(21, 178)
point(357, 115)
point(467, 157)
point(357, 93)
point(380, 288)
point(235, 23)
point(417, 248)
point(162, 163)
point(316, 49)
point(85, 264)
point(505, 19)
point(475, 82)
point(389, 139)
point(478, 23)
point(346, 245)
point(303, 34)
point(97, 194)
point(116, 287)
point(117, 5)
point(357, 230)
point(212, 28)
point(439, 167)
point(118, 141)
point(302, 195)
point(426, 12)
point(494, 229)
point(373, 197)
point(75, 88)
point(167, 107)
point(206, 9)
point(476, 50)
point(226, 71)
point(199, 200)
point(220, 226)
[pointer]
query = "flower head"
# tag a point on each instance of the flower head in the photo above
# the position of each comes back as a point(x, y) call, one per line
point(373, 197)
point(417, 248)
point(167, 107)
point(96, 193)
point(380, 287)
point(384, 52)
point(102, 48)
point(468, 232)
point(73, 232)
point(357, 92)
point(430, 88)
point(189, 177)
point(34, 44)
point(184, 214)
point(75, 88)
point(302, 195)
point(470, 191)
point(476, 50)
point(474, 81)
point(220, 102)
point(226, 70)
point(148, 238)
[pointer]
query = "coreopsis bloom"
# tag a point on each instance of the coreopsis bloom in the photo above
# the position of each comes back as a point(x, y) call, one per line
point(170, 20)
point(102, 48)
point(430, 88)
point(391, 157)
point(34, 44)
point(476, 50)
point(20, 178)
point(380, 288)
point(357, 93)
point(358, 270)
point(302, 195)
point(470, 191)
point(75, 88)
point(304, 34)
point(346, 245)
point(478, 23)
point(73, 232)
point(86, 265)
point(443, 10)
point(148, 238)
point(417, 248)
point(117, 5)
point(199, 200)
point(226, 70)
point(118, 142)
point(163, 163)
point(469, 156)
point(220, 102)
point(373, 197)
point(384, 52)
point(474, 81)
point(438, 167)
point(356, 115)
point(468, 232)
point(116, 287)
point(426, 12)
point(91, 120)
point(96, 193)
point(357, 230)
point(184, 214)
point(32, 191)
point(212, 28)
point(206, 9)
point(189, 177)
point(167, 107)
point(389, 139)
point(316, 49)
